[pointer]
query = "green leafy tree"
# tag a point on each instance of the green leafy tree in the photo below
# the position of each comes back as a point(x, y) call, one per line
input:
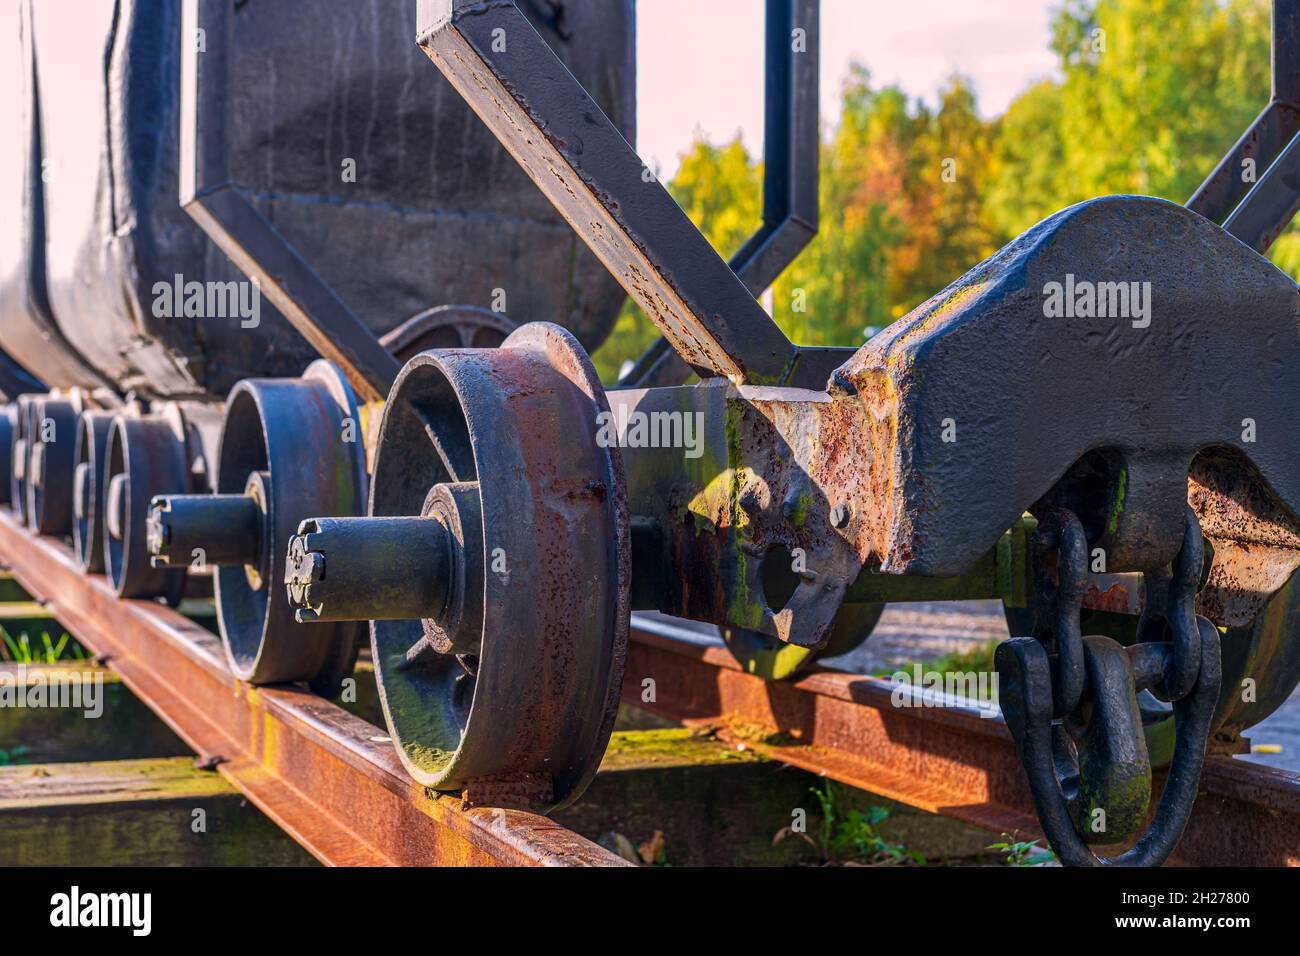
point(1027, 163)
point(1149, 96)
point(840, 284)
point(1154, 93)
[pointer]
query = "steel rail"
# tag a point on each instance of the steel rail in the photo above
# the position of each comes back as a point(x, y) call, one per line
point(945, 759)
point(333, 782)
point(329, 779)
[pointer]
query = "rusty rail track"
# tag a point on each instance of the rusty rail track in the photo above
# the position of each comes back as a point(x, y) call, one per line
point(332, 781)
point(327, 778)
point(946, 760)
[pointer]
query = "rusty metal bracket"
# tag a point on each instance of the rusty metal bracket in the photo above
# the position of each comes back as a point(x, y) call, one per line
point(555, 131)
point(223, 210)
point(993, 354)
point(917, 459)
point(1256, 214)
point(791, 154)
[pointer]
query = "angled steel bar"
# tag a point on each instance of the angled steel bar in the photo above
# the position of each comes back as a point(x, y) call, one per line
point(1256, 211)
point(1266, 137)
point(791, 148)
point(226, 214)
point(1273, 128)
point(1271, 204)
point(510, 77)
point(791, 152)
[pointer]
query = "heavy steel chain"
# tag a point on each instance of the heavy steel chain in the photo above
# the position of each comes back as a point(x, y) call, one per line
point(1071, 703)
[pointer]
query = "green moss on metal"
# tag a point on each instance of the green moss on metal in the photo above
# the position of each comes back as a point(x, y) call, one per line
point(799, 515)
point(1117, 506)
point(422, 719)
point(711, 503)
point(764, 656)
point(758, 378)
point(426, 758)
point(131, 813)
point(1124, 802)
point(743, 609)
point(1161, 738)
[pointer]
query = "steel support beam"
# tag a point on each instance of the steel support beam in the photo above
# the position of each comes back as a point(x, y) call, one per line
point(555, 131)
point(1271, 205)
point(791, 143)
point(330, 780)
point(947, 760)
point(224, 211)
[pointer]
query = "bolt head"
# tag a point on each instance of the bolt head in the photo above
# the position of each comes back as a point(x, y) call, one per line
point(305, 568)
point(840, 515)
point(157, 534)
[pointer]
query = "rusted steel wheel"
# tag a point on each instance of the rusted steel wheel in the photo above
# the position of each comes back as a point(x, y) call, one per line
point(448, 327)
point(8, 434)
point(302, 438)
point(144, 457)
point(495, 566)
point(290, 449)
point(51, 458)
point(93, 429)
point(18, 454)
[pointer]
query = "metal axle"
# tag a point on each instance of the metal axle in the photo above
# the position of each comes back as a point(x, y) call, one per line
point(378, 569)
point(219, 529)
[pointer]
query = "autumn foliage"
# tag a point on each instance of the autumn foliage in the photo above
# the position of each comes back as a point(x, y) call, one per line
point(1148, 95)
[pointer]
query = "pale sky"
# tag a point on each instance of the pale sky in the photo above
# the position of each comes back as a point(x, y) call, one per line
point(700, 62)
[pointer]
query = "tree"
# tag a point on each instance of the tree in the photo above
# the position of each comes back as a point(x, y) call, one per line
point(1154, 93)
point(1150, 95)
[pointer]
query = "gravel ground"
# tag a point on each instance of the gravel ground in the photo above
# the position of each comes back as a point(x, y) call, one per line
point(909, 632)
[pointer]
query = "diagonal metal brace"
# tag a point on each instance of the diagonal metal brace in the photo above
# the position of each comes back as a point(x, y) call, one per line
point(510, 77)
point(1125, 325)
point(1256, 214)
point(791, 144)
point(791, 152)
